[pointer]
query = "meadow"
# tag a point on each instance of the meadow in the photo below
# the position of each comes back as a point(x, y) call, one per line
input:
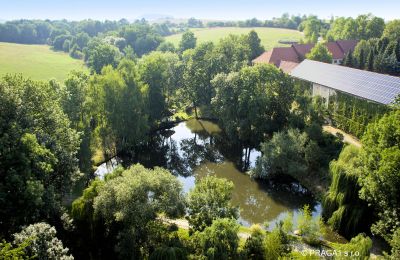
point(38, 62)
point(270, 37)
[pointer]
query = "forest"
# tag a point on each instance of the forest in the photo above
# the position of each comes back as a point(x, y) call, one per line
point(55, 135)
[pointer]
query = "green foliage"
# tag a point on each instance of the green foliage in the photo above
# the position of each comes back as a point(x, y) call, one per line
point(380, 179)
point(352, 115)
point(37, 152)
point(188, 41)
point(118, 106)
point(132, 201)
point(364, 27)
point(358, 248)
point(166, 47)
point(283, 154)
point(254, 245)
point(309, 227)
point(392, 30)
point(8, 251)
point(320, 53)
point(276, 244)
point(99, 55)
point(161, 72)
point(344, 210)
point(39, 240)
point(378, 55)
point(218, 241)
point(255, 44)
point(252, 102)
point(311, 28)
point(395, 244)
point(210, 200)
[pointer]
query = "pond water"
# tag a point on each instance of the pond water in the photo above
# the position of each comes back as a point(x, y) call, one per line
point(196, 148)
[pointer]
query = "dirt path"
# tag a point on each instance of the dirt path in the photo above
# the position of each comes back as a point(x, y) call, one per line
point(347, 137)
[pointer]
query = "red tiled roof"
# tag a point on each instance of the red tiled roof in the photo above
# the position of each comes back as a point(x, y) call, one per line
point(347, 45)
point(297, 52)
point(275, 55)
point(287, 66)
point(302, 49)
point(335, 49)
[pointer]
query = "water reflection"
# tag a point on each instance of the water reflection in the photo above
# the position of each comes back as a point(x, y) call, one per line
point(196, 148)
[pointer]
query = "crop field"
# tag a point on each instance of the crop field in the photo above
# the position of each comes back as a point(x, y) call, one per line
point(270, 37)
point(38, 62)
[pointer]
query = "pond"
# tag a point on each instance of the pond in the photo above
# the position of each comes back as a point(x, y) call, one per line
point(196, 148)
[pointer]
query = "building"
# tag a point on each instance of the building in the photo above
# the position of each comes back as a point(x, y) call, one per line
point(287, 58)
point(327, 79)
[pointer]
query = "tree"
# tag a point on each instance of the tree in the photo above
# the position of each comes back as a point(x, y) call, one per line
point(392, 30)
point(219, 241)
point(42, 242)
point(254, 101)
point(320, 53)
point(166, 47)
point(210, 200)
point(380, 178)
point(343, 209)
point(37, 152)
point(255, 44)
point(311, 28)
point(188, 41)
point(118, 104)
point(283, 154)
point(160, 71)
point(130, 202)
point(100, 54)
point(198, 72)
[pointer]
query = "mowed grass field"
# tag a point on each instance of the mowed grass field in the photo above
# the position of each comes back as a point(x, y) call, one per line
point(269, 36)
point(38, 62)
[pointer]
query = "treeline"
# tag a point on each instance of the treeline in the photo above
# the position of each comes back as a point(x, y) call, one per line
point(76, 38)
point(377, 55)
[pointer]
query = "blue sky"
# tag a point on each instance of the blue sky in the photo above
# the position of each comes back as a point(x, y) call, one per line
point(205, 9)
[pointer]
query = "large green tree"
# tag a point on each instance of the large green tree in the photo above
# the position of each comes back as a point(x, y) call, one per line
point(380, 179)
point(37, 152)
point(208, 201)
point(188, 41)
point(161, 72)
point(252, 102)
point(130, 201)
point(320, 53)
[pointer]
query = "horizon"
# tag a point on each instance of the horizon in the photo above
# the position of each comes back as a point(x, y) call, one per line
point(75, 10)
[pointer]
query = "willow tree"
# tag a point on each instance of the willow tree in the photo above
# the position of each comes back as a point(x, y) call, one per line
point(344, 210)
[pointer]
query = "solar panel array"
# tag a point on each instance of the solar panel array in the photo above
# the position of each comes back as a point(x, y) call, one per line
point(373, 86)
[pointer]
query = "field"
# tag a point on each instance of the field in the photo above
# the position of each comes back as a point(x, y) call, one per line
point(269, 36)
point(38, 62)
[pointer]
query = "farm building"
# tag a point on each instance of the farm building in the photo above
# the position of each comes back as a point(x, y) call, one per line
point(287, 58)
point(327, 79)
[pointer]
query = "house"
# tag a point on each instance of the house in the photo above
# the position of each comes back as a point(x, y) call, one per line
point(288, 58)
point(327, 79)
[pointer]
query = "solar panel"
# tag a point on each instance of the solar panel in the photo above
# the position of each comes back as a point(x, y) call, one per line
point(373, 86)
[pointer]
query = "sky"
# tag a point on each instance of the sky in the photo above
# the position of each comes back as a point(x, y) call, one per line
point(201, 9)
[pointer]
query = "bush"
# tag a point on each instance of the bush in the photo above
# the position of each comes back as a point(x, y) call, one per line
point(219, 241)
point(254, 245)
point(309, 227)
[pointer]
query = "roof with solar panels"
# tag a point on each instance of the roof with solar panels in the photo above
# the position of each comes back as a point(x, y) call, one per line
point(368, 85)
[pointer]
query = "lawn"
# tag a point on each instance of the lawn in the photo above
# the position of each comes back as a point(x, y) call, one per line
point(38, 62)
point(269, 36)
